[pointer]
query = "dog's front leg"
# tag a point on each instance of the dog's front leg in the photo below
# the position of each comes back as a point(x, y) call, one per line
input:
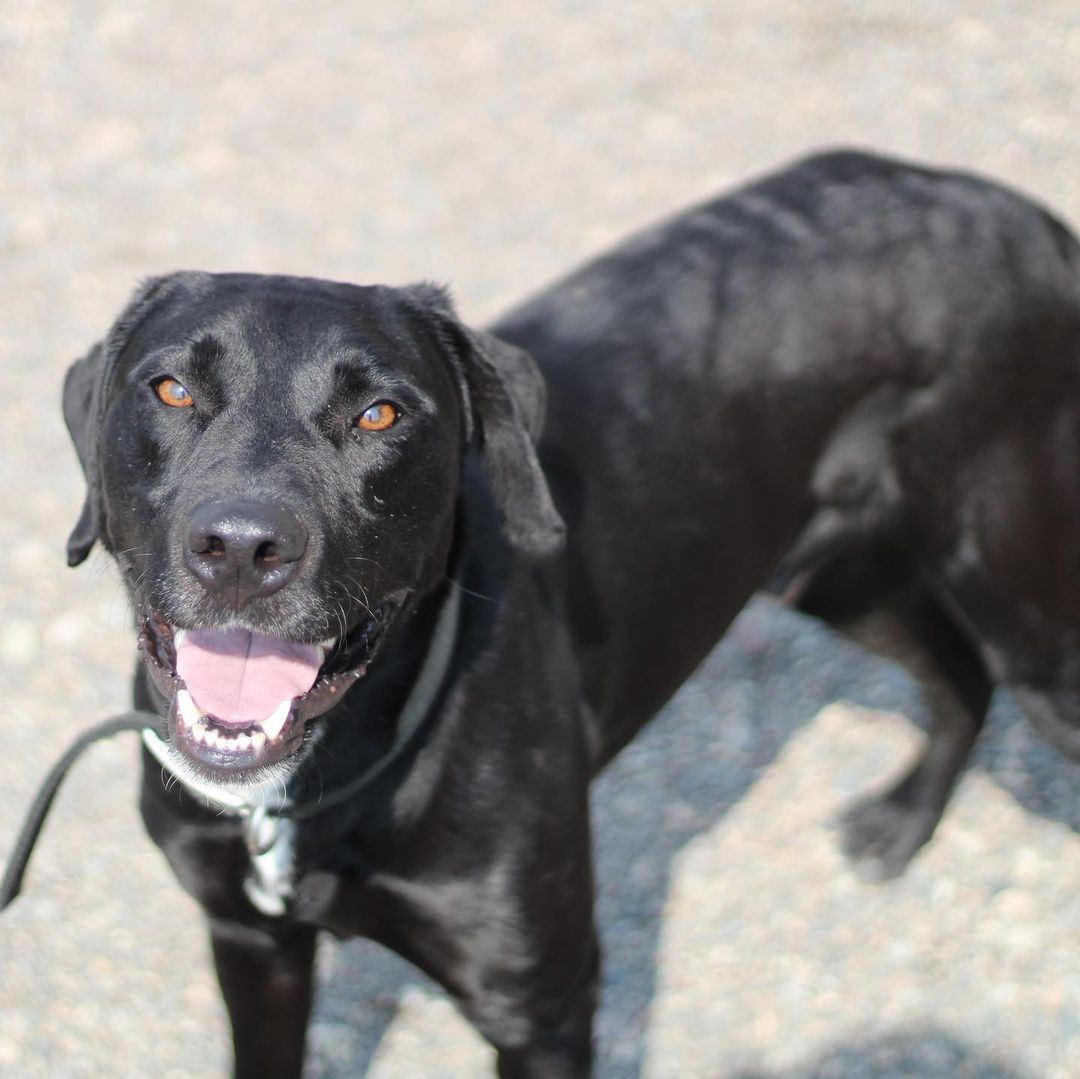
point(538, 986)
point(550, 1035)
point(562, 1051)
point(266, 980)
point(516, 945)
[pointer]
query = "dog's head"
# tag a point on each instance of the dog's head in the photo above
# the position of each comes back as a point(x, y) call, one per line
point(275, 464)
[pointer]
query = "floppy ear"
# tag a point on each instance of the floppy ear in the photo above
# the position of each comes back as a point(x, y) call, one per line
point(507, 393)
point(504, 400)
point(79, 414)
point(85, 388)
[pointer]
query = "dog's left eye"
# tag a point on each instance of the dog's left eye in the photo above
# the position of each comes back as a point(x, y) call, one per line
point(378, 417)
point(172, 393)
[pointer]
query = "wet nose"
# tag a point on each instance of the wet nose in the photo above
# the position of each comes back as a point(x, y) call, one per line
point(243, 547)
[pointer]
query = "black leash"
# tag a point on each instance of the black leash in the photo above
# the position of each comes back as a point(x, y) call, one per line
point(39, 808)
point(142, 722)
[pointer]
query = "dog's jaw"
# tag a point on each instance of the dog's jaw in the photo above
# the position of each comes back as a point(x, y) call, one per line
point(249, 752)
point(265, 786)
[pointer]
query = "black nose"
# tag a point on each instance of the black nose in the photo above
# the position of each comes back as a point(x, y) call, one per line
point(244, 548)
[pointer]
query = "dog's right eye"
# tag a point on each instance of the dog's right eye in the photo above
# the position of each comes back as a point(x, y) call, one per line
point(379, 417)
point(172, 393)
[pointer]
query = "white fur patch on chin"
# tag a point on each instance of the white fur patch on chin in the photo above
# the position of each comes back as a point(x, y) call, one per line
point(265, 787)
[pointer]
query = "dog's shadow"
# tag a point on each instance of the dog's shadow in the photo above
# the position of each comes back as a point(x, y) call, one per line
point(919, 1053)
point(772, 673)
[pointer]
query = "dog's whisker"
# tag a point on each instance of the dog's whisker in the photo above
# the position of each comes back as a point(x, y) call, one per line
point(361, 558)
point(356, 599)
point(468, 591)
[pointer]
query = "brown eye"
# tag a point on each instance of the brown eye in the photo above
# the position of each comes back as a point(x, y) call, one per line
point(378, 417)
point(170, 392)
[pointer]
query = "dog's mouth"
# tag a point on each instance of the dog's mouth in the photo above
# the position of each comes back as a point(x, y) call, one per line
point(241, 700)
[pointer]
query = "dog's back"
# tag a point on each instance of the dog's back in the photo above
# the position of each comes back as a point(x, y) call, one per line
point(844, 355)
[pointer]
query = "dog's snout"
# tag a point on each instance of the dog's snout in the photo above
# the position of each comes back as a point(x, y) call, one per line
point(244, 548)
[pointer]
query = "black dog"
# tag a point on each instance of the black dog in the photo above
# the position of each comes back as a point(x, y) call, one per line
point(359, 607)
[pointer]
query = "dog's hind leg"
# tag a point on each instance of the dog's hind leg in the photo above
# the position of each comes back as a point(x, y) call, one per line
point(872, 597)
point(266, 980)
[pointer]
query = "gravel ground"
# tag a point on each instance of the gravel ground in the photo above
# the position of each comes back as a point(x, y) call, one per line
point(492, 146)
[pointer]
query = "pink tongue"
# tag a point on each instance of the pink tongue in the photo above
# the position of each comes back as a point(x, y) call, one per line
point(240, 677)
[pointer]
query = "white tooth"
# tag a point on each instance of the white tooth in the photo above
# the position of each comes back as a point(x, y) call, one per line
point(274, 722)
point(243, 741)
point(178, 636)
point(258, 741)
point(187, 708)
point(328, 644)
point(212, 736)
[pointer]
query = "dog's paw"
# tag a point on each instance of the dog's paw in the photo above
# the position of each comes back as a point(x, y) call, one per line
point(880, 836)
